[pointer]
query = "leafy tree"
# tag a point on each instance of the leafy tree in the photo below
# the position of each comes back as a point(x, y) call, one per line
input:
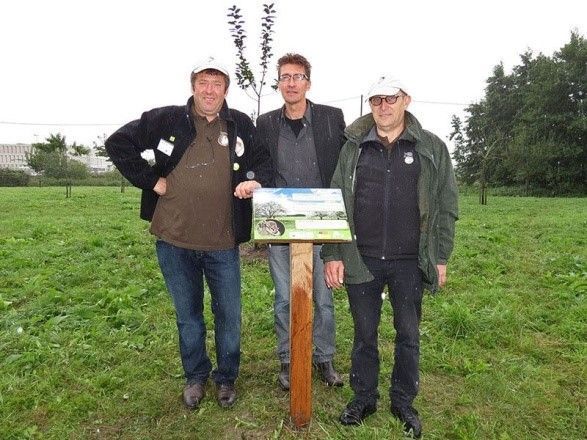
point(269, 209)
point(245, 77)
point(530, 128)
point(321, 214)
point(54, 159)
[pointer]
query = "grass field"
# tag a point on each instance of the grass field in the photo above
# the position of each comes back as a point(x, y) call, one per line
point(88, 345)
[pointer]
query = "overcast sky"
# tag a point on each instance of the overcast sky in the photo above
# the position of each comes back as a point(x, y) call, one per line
point(105, 62)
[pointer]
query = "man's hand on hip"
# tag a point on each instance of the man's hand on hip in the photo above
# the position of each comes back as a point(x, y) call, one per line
point(161, 186)
point(441, 274)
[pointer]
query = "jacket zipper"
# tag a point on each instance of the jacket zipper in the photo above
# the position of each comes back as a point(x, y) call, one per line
point(385, 201)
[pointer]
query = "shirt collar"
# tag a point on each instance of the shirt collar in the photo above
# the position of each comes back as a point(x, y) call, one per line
point(307, 118)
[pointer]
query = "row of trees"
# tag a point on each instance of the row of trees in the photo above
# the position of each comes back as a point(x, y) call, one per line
point(530, 129)
point(56, 162)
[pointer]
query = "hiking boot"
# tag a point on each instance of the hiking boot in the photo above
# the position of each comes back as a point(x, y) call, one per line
point(409, 417)
point(328, 374)
point(283, 377)
point(225, 394)
point(356, 411)
point(193, 394)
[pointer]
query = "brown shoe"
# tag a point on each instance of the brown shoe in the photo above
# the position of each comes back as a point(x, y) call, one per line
point(193, 394)
point(328, 374)
point(283, 377)
point(225, 394)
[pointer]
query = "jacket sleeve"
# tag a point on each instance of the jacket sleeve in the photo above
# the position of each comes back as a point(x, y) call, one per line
point(332, 251)
point(448, 207)
point(261, 163)
point(126, 145)
point(341, 126)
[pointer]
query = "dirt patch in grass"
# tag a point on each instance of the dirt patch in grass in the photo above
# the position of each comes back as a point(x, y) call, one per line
point(252, 252)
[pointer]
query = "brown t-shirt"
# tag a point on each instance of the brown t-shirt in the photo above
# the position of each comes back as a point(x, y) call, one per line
point(196, 211)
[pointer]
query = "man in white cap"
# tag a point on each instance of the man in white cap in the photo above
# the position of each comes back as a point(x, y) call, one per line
point(203, 150)
point(400, 193)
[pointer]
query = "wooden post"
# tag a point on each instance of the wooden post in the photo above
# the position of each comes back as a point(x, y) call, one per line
point(300, 331)
point(302, 228)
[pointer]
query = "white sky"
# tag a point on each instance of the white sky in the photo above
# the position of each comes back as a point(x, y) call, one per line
point(106, 61)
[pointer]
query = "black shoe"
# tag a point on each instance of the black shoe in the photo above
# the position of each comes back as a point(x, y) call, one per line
point(328, 374)
point(193, 394)
point(409, 417)
point(356, 411)
point(283, 377)
point(225, 394)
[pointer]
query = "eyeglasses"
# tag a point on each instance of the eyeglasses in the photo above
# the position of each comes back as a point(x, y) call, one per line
point(208, 151)
point(297, 77)
point(377, 100)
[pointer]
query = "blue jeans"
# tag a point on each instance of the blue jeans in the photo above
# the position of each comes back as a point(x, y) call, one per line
point(324, 327)
point(184, 271)
point(404, 281)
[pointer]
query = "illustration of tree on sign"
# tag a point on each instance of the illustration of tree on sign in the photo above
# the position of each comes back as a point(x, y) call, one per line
point(321, 214)
point(269, 209)
point(245, 77)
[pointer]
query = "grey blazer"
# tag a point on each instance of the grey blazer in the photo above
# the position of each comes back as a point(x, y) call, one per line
point(328, 130)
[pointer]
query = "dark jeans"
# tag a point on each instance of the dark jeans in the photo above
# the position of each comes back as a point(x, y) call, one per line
point(184, 270)
point(404, 281)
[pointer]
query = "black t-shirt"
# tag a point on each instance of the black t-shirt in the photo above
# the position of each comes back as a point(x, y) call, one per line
point(295, 124)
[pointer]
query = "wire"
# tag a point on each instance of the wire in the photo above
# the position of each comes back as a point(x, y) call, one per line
point(66, 124)
point(462, 104)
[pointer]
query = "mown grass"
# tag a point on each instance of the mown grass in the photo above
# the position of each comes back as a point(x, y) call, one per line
point(88, 345)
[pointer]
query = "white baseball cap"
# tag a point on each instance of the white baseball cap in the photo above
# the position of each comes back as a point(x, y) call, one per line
point(210, 63)
point(386, 85)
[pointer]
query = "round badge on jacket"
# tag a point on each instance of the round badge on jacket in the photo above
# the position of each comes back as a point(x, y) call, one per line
point(239, 148)
point(223, 139)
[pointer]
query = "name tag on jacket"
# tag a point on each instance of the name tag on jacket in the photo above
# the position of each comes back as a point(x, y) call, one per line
point(165, 147)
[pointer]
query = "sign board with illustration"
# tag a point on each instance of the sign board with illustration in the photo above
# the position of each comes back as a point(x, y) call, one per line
point(299, 214)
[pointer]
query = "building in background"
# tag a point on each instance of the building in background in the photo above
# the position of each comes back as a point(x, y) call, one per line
point(14, 156)
point(96, 164)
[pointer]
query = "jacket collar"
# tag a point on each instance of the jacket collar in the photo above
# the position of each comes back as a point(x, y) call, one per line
point(359, 130)
point(307, 113)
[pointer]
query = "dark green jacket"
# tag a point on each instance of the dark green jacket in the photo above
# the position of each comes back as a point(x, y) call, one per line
point(437, 201)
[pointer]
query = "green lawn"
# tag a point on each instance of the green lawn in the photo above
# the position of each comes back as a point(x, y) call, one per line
point(88, 345)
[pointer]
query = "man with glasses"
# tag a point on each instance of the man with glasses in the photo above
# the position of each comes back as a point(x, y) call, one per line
point(400, 194)
point(304, 140)
point(202, 151)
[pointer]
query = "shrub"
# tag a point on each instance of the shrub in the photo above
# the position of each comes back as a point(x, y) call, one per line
point(10, 177)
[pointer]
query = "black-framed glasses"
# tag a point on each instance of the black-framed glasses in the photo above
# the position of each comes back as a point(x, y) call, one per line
point(297, 77)
point(377, 100)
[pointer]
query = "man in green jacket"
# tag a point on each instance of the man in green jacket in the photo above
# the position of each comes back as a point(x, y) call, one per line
point(400, 195)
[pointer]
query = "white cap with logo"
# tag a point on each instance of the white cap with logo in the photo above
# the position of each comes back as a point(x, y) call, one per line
point(210, 63)
point(386, 85)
